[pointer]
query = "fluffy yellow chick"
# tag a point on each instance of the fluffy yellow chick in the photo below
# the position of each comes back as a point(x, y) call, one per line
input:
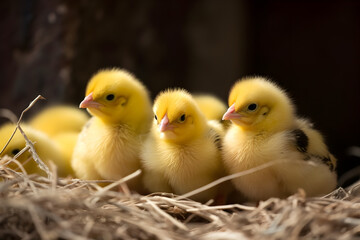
point(265, 128)
point(109, 144)
point(44, 147)
point(182, 151)
point(211, 106)
point(59, 119)
point(66, 142)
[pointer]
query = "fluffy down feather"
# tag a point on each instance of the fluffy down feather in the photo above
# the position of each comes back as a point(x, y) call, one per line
point(182, 152)
point(265, 128)
point(59, 119)
point(109, 144)
point(45, 147)
point(211, 106)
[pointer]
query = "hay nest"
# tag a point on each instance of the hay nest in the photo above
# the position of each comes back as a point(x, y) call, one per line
point(35, 207)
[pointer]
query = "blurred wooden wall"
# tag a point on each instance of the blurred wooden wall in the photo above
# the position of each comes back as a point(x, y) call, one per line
point(310, 47)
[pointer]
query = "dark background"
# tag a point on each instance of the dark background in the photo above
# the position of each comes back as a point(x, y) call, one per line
point(311, 48)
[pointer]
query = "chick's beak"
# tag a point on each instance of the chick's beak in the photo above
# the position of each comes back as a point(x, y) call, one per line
point(231, 114)
point(165, 124)
point(89, 102)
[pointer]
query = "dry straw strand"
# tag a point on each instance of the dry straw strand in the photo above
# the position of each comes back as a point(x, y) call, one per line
point(37, 207)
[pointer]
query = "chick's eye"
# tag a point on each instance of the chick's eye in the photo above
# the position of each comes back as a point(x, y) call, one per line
point(155, 117)
point(110, 97)
point(15, 151)
point(182, 118)
point(252, 107)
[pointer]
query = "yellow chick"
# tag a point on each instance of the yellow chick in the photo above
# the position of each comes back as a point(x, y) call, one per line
point(265, 128)
point(182, 152)
point(212, 107)
point(109, 144)
point(59, 119)
point(66, 142)
point(47, 149)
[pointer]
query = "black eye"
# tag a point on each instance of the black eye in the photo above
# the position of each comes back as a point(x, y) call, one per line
point(252, 107)
point(182, 118)
point(110, 97)
point(155, 117)
point(15, 151)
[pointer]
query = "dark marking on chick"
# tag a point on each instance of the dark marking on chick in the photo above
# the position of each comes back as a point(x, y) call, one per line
point(328, 162)
point(216, 137)
point(218, 141)
point(325, 160)
point(302, 141)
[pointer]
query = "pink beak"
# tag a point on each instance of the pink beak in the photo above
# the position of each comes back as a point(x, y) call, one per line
point(89, 102)
point(231, 114)
point(164, 124)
